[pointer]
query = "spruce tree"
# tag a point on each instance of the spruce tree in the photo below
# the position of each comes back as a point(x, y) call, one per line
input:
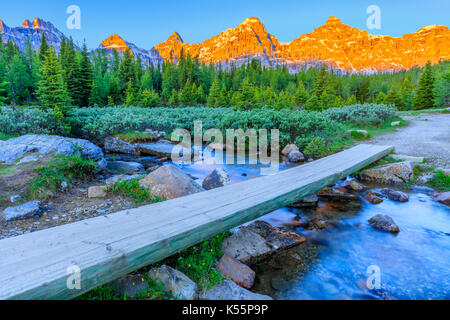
point(424, 95)
point(127, 71)
point(301, 95)
point(51, 90)
point(44, 48)
point(442, 89)
point(84, 78)
point(214, 94)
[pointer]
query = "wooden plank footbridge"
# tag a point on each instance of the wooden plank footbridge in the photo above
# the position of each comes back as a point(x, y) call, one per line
point(38, 265)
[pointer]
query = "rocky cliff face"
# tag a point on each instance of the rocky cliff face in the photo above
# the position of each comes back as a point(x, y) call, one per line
point(32, 30)
point(248, 40)
point(350, 49)
point(115, 42)
point(335, 44)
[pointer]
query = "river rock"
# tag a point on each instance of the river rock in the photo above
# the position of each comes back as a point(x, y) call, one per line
point(353, 185)
point(318, 224)
point(296, 156)
point(24, 211)
point(374, 197)
point(170, 182)
point(393, 173)
point(235, 270)
point(16, 148)
point(218, 178)
point(331, 194)
point(384, 223)
point(395, 195)
point(175, 282)
point(443, 198)
point(228, 290)
point(307, 202)
point(126, 167)
point(130, 285)
point(289, 148)
point(259, 240)
point(114, 145)
point(96, 192)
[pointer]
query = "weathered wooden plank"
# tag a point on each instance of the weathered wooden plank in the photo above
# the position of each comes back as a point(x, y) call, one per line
point(34, 266)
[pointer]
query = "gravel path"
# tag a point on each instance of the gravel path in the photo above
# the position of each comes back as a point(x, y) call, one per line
point(428, 135)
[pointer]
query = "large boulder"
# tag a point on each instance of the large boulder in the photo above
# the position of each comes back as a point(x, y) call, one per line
point(384, 223)
point(175, 282)
point(170, 182)
point(114, 145)
point(259, 240)
point(235, 270)
point(24, 211)
point(126, 167)
point(393, 173)
point(14, 149)
point(228, 290)
point(443, 197)
point(218, 178)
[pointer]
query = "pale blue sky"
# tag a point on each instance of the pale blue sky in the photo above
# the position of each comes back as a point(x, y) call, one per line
point(148, 22)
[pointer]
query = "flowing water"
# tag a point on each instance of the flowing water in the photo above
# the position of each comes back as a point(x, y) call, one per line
point(339, 263)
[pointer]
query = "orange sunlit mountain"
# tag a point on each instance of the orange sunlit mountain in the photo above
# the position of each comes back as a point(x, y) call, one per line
point(115, 42)
point(335, 44)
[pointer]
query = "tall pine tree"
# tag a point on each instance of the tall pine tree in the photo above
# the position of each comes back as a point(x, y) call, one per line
point(424, 94)
point(51, 88)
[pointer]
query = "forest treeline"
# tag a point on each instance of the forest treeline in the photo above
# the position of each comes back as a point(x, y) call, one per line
point(79, 78)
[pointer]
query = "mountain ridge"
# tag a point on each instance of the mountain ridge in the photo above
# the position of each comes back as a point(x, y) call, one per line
point(335, 44)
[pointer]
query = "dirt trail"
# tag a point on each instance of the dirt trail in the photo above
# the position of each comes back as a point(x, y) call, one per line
point(428, 135)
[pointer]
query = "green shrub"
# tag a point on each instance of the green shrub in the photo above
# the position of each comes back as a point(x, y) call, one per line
point(316, 148)
point(22, 121)
point(133, 190)
point(362, 115)
point(198, 262)
point(294, 126)
point(61, 168)
point(440, 181)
